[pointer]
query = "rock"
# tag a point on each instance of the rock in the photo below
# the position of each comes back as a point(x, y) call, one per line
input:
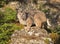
point(13, 5)
point(53, 17)
point(52, 13)
point(54, 1)
point(25, 1)
point(32, 36)
point(58, 18)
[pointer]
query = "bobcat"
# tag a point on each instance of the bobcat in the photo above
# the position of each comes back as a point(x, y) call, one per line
point(30, 18)
point(40, 19)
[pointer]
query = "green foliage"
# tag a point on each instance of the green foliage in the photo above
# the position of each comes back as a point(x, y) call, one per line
point(47, 41)
point(57, 30)
point(8, 15)
point(2, 3)
point(5, 32)
point(54, 36)
point(1, 16)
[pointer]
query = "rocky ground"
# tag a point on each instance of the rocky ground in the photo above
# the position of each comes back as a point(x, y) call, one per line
point(33, 35)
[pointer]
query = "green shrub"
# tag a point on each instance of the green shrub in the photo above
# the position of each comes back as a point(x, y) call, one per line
point(57, 30)
point(6, 26)
point(5, 32)
point(8, 15)
point(54, 36)
point(1, 16)
point(2, 2)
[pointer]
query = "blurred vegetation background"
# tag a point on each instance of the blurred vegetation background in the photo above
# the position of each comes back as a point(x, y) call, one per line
point(7, 22)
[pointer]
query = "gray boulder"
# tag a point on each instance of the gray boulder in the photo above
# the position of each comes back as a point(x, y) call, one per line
point(32, 35)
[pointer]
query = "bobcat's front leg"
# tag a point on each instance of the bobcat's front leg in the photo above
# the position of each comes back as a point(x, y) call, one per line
point(29, 22)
